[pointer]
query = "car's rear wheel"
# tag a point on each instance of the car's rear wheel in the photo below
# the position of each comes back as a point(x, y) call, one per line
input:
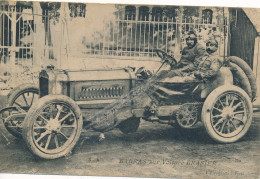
point(52, 127)
point(22, 97)
point(227, 113)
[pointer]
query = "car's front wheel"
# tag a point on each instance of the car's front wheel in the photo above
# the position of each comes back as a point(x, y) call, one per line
point(52, 127)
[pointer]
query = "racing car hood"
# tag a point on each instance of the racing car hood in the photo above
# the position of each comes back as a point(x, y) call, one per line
point(96, 75)
point(88, 75)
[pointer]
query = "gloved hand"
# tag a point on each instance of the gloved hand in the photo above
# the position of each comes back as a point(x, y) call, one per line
point(162, 74)
point(197, 75)
point(175, 73)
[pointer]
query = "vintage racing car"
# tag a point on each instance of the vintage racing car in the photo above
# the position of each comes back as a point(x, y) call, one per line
point(50, 117)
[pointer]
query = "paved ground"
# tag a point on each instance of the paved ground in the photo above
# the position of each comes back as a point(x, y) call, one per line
point(153, 151)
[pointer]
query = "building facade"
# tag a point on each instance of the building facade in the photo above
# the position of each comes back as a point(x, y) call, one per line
point(33, 32)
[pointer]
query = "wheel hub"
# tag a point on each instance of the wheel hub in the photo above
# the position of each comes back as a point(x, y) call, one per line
point(53, 125)
point(227, 113)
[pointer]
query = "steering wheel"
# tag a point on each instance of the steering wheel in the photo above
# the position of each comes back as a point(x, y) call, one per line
point(165, 57)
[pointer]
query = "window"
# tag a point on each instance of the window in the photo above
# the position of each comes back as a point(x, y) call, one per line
point(207, 16)
point(50, 11)
point(77, 9)
point(170, 12)
point(157, 13)
point(190, 14)
point(50, 6)
point(143, 13)
point(20, 5)
point(130, 12)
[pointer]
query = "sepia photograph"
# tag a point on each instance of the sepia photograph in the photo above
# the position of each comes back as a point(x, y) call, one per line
point(129, 90)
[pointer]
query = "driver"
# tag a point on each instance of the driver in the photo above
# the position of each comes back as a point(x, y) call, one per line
point(191, 53)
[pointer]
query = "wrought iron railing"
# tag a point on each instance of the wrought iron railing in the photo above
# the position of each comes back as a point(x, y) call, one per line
point(18, 36)
point(139, 38)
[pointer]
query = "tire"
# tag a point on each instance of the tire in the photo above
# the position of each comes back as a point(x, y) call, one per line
point(48, 136)
point(129, 125)
point(240, 79)
point(28, 91)
point(219, 114)
point(248, 71)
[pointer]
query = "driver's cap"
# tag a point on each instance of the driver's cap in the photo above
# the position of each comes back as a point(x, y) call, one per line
point(191, 35)
point(212, 41)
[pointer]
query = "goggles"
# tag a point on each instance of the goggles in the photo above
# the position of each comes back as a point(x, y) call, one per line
point(212, 43)
point(191, 36)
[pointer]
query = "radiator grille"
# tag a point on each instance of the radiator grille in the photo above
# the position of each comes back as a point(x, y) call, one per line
point(100, 93)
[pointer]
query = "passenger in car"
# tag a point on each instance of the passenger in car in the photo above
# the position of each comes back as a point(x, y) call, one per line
point(209, 65)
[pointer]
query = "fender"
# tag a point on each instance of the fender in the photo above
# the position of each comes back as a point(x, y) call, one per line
point(223, 77)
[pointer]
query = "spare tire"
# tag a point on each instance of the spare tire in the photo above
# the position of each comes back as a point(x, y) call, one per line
point(241, 79)
point(248, 71)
